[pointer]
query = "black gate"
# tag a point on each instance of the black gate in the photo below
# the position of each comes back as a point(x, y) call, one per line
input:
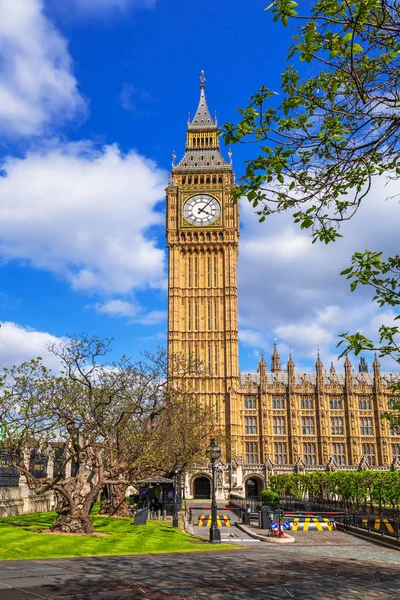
point(202, 488)
point(9, 475)
point(38, 464)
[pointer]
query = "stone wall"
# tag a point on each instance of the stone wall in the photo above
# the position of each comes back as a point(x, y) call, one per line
point(21, 500)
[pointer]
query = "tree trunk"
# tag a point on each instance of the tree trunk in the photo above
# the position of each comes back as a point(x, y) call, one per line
point(74, 506)
point(113, 501)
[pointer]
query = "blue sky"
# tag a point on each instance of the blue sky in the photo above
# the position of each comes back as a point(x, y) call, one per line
point(94, 97)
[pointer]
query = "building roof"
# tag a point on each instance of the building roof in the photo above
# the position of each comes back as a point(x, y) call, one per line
point(329, 378)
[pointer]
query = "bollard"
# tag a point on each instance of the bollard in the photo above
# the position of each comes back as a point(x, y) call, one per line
point(246, 514)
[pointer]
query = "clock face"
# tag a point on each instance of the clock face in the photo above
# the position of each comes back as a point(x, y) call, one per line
point(201, 210)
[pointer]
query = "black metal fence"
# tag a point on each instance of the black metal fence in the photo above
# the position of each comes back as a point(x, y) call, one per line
point(9, 474)
point(381, 524)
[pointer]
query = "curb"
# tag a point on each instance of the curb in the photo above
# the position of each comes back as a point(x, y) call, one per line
point(370, 536)
point(270, 540)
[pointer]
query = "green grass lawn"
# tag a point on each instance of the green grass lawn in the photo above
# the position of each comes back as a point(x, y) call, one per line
point(22, 542)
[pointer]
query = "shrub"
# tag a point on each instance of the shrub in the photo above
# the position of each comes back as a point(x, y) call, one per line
point(269, 497)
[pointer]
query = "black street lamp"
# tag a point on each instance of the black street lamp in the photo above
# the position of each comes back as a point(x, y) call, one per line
point(177, 470)
point(214, 453)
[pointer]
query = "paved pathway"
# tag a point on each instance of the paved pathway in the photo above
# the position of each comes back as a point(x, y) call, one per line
point(355, 571)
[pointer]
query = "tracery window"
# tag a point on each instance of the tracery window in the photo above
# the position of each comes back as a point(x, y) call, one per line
point(339, 453)
point(306, 403)
point(280, 453)
point(278, 402)
point(337, 427)
point(310, 454)
point(364, 403)
point(307, 425)
point(279, 425)
point(250, 402)
point(366, 427)
point(396, 450)
point(335, 403)
point(368, 450)
point(250, 425)
point(251, 453)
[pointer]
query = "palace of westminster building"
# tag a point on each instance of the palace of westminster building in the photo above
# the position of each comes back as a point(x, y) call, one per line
point(277, 420)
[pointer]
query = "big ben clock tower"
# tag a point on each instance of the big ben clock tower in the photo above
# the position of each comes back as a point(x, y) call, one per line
point(202, 239)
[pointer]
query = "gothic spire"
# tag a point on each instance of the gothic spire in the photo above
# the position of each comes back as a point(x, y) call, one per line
point(318, 364)
point(202, 118)
point(276, 361)
point(332, 370)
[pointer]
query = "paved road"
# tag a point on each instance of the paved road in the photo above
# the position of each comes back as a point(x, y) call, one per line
point(227, 519)
point(356, 572)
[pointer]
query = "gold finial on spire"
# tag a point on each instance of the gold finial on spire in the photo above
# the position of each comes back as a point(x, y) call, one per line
point(202, 79)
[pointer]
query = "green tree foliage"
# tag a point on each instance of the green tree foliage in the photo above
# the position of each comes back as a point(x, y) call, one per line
point(333, 127)
point(359, 487)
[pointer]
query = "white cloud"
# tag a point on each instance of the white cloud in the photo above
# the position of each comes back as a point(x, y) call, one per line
point(292, 289)
point(19, 344)
point(37, 85)
point(135, 313)
point(118, 308)
point(85, 214)
point(249, 337)
point(92, 7)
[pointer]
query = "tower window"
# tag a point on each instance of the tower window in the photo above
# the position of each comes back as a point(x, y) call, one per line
point(209, 316)
point(208, 238)
point(201, 157)
point(215, 315)
point(202, 141)
point(216, 360)
point(196, 316)
point(214, 179)
point(212, 157)
point(190, 316)
point(190, 271)
point(190, 181)
point(196, 180)
point(196, 271)
point(215, 272)
point(208, 179)
point(221, 236)
point(209, 360)
point(201, 179)
point(195, 164)
point(396, 450)
point(183, 180)
point(219, 179)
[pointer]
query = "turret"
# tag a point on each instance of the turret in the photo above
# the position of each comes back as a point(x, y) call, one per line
point(348, 377)
point(262, 369)
point(363, 366)
point(275, 361)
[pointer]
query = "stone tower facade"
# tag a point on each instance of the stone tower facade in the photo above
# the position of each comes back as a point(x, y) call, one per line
point(202, 239)
point(277, 420)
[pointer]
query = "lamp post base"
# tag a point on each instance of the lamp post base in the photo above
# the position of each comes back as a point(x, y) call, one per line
point(215, 535)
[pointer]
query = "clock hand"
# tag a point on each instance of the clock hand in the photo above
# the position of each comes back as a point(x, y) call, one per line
point(204, 207)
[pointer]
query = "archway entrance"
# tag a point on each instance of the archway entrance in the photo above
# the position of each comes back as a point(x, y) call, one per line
point(202, 487)
point(253, 489)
